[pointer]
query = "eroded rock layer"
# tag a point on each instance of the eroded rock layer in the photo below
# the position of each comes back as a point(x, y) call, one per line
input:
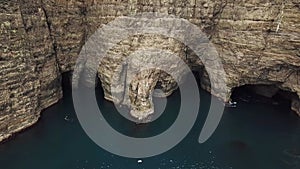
point(258, 42)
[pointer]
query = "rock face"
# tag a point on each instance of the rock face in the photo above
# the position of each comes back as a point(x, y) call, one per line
point(258, 41)
point(296, 106)
point(134, 87)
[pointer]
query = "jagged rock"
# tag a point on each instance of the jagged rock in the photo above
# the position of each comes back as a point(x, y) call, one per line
point(133, 86)
point(296, 105)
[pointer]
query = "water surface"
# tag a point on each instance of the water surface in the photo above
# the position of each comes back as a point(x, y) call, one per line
point(251, 136)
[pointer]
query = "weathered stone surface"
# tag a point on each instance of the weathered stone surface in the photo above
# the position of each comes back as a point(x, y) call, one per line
point(258, 42)
point(296, 105)
point(123, 70)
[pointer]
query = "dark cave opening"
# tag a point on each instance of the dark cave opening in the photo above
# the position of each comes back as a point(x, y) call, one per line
point(264, 93)
point(270, 94)
point(66, 82)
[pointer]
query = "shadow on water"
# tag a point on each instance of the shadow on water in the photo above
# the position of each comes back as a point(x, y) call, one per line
point(260, 136)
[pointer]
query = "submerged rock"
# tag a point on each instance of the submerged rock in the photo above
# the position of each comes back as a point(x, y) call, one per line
point(238, 145)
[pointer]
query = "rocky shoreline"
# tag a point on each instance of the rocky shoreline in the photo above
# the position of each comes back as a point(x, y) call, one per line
point(258, 42)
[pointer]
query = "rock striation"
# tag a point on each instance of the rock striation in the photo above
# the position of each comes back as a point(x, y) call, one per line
point(258, 42)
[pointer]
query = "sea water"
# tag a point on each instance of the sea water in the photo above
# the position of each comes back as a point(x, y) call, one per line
point(250, 136)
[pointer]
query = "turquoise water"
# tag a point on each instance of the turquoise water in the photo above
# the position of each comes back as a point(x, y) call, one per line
point(251, 136)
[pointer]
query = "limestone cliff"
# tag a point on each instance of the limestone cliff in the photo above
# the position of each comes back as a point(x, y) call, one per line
point(258, 42)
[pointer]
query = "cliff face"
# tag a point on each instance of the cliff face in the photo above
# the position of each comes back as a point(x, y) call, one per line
point(258, 42)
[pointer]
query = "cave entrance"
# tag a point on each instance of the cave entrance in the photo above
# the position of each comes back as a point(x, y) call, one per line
point(263, 93)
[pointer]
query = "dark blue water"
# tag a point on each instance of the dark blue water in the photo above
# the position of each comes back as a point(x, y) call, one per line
point(251, 136)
